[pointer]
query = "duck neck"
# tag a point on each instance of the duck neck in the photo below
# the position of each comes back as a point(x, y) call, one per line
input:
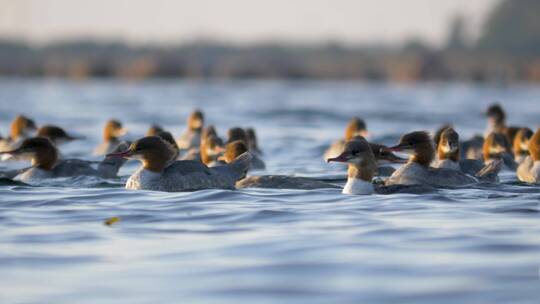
point(158, 160)
point(364, 171)
point(423, 154)
point(453, 155)
point(359, 179)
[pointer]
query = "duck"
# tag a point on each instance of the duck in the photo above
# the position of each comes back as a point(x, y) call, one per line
point(495, 148)
point(46, 163)
point(154, 130)
point(238, 147)
point(496, 123)
point(160, 171)
point(239, 134)
point(211, 150)
point(448, 154)
point(55, 134)
point(529, 170)
point(112, 132)
point(417, 171)
point(356, 126)
point(253, 144)
point(191, 138)
point(306, 183)
point(362, 165)
point(520, 146)
point(21, 128)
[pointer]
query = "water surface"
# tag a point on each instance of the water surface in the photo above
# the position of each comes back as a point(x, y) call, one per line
point(472, 245)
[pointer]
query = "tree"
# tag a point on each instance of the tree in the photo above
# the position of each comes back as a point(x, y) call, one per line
point(513, 27)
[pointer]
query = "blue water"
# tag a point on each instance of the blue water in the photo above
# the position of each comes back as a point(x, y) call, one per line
point(472, 245)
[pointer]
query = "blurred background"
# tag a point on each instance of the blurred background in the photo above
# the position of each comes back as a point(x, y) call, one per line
point(489, 41)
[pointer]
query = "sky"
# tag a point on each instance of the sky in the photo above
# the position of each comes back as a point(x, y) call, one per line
point(237, 21)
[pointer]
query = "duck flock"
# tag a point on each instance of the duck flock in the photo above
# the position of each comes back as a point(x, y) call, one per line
point(200, 159)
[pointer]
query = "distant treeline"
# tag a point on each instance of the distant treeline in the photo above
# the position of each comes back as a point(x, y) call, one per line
point(508, 50)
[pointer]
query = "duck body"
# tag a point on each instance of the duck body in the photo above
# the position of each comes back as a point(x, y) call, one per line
point(160, 171)
point(283, 182)
point(46, 163)
point(181, 176)
point(189, 176)
point(356, 186)
point(68, 168)
point(416, 174)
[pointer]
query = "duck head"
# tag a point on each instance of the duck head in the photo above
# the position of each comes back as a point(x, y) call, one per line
point(55, 134)
point(40, 150)
point(448, 147)
point(359, 155)
point(419, 145)
point(22, 126)
point(195, 121)
point(355, 127)
point(521, 141)
point(154, 153)
point(113, 130)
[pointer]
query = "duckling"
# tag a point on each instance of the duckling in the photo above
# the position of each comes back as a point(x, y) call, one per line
point(161, 172)
point(112, 132)
point(417, 171)
point(356, 126)
point(191, 138)
point(55, 134)
point(21, 128)
point(46, 164)
point(521, 144)
point(529, 170)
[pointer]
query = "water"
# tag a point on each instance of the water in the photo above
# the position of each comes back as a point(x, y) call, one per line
point(472, 245)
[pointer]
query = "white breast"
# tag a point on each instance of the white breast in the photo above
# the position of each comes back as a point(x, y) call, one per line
point(357, 186)
point(32, 175)
point(142, 179)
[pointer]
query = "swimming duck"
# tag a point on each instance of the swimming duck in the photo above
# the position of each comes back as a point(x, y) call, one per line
point(417, 171)
point(356, 126)
point(154, 130)
point(306, 183)
point(235, 148)
point(496, 123)
point(46, 164)
point(21, 128)
point(448, 154)
point(496, 147)
point(253, 145)
point(520, 146)
point(161, 172)
point(238, 134)
point(55, 134)
point(529, 170)
point(191, 138)
point(112, 132)
point(362, 166)
point(212, 150)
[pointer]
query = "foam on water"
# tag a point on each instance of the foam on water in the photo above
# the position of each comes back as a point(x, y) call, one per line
point(466, 245)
